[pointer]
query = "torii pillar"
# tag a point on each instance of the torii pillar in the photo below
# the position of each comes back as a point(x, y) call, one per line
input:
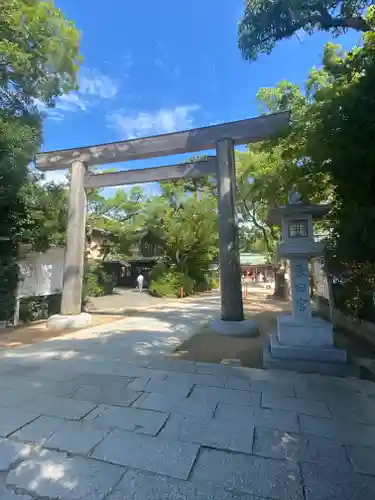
point(232, 321)
point(72, 290)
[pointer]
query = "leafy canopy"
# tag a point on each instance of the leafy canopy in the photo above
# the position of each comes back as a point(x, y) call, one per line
point(265, 22)
point(39, 60)
point(328, 153)
point(39, 54)
point(341, 144)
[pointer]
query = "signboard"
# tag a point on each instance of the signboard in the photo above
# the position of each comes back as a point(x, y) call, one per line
point(41, 273)
point(320, 279)
point(300, 288)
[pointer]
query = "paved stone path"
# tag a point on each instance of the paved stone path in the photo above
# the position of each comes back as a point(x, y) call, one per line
point(122, 300)
point(95, 417)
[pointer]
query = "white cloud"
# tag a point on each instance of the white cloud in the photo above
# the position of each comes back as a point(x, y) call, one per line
point(94, 83)
point(57, 176)
point(52, 113)
point(71, 102)
point(145, 123)
point(94, 86)
point(55, 115)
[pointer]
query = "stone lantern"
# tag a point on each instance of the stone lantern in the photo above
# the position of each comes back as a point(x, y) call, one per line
point(302, 342)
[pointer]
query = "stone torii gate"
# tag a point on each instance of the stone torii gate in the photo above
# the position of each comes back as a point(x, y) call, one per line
point(222, 137)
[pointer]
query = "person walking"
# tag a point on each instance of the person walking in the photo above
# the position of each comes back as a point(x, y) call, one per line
point(140, 281)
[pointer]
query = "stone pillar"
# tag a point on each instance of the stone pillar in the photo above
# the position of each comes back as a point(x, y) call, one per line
point(230, 274)
point(301, 307)
point(75, 243)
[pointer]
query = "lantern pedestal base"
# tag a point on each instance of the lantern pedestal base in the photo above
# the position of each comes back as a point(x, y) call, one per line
point(307, 365)
point(68, 321)
point(313, 332)
point(306, 347)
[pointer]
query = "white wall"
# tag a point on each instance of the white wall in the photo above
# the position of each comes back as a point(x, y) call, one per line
point(41, 273)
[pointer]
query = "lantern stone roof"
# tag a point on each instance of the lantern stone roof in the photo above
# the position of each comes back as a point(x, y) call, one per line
point(317, 211)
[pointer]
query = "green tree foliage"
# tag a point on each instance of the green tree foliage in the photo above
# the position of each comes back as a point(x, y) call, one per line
point(39, 61)
point(328, 153)
point(17, 142)
point(47, 212)
point(122, 216)
point(269, 170)
point(341, 145)
point(39, 54)
point(186, 228)
point(266, 22)
point(190, 185)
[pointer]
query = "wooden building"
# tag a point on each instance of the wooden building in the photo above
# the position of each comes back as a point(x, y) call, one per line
point(255, 264)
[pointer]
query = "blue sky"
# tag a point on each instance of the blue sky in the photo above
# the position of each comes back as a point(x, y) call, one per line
point(154, 67)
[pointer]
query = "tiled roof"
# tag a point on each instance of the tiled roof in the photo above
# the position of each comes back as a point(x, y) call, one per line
point(253, 259)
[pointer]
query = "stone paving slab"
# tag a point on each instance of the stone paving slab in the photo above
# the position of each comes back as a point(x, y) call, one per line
point(273, 387)
point(323, 482)
point(310, 423)
point(284, 445)
point(11, 452)
point(170, 386)
point(303, 406)
point(50, 474)
point(132, 419)
point(366, 387)
point(173, 365)
point(247, 384)
point(106, 395)
point(59, 407)
point(209, 432)
point(12, 419)
point(38, 431)
point(138, 384)
point(8, 495)
point(215, 369)
point(268, 478)
point(30, 388)
point(360, 408)
point(168, 404)
point(98, 410)
point(153, 454)
point(10, 398)
point(236, 383)
point(57, 373)
point(142, 486)
point(219, 395)
point(362, 458)
point(76, 437)
point(132, 370)
point(102, 380)
point(339, 431)
point(198, 379)
point(327, 391)
point(263, 417)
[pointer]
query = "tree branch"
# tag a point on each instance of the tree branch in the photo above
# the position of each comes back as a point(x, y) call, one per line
point(355, 23)
point(260, 227)
point(326, 21)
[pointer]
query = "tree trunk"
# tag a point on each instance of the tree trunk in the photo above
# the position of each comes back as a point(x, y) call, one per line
point(281, 286)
